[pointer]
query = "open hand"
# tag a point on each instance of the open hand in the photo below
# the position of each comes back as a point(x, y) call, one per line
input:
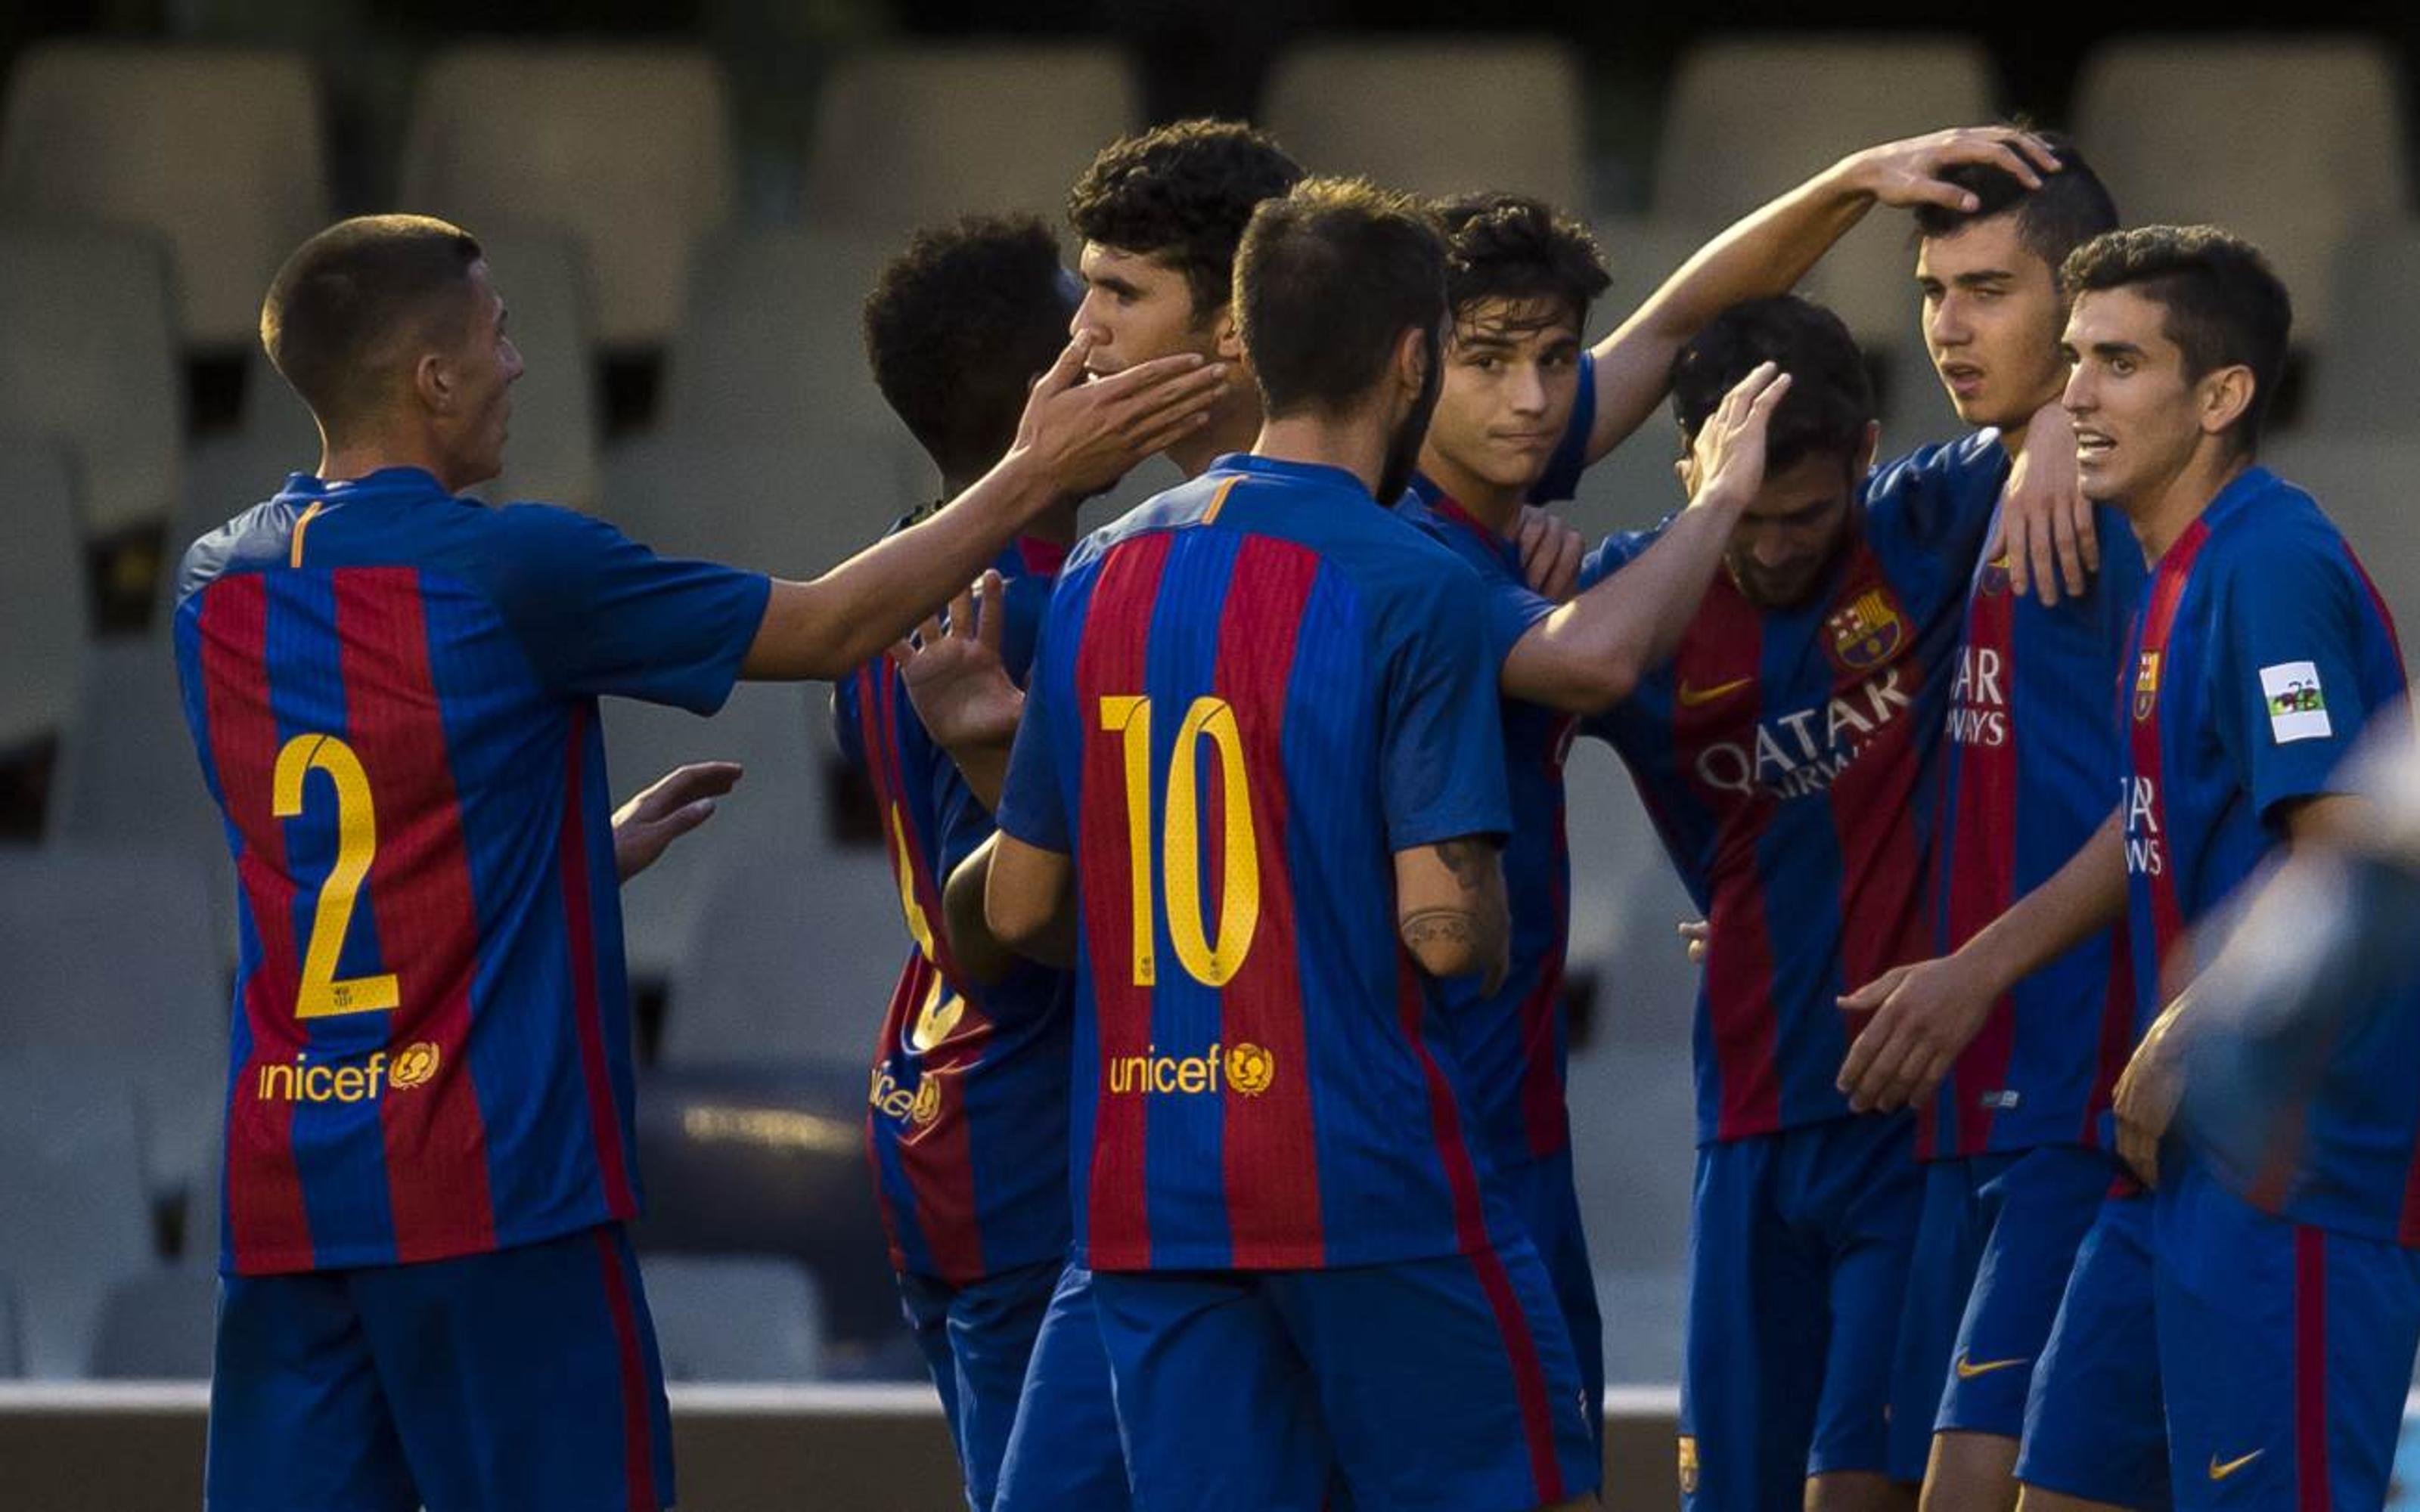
point(1728, 456)
point(1909, 173)
point(1924, 1016)
point(1084, 435)
point(664, 810)
point(954, 675)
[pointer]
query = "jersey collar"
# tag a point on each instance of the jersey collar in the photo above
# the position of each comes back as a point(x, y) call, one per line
point(1276, 466)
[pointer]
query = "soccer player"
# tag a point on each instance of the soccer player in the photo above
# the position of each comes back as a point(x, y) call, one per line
point(428, 1293)
point(2016, 1157)
point(967, 1117)
point(1262, 729)
point(1516, 416)
point(2272, 1311)
point(1785, 753)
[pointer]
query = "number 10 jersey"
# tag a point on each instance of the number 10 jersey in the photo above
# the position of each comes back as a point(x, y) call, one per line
point(392, 695)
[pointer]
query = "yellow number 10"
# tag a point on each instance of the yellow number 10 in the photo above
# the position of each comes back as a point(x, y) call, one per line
point(321, 994)
point(1209, 962)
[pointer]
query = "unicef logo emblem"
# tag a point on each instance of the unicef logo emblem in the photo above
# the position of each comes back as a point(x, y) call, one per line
point(1249, 1069)
point(414, 1064)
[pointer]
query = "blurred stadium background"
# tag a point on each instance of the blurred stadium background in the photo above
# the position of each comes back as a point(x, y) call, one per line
point(684, 203)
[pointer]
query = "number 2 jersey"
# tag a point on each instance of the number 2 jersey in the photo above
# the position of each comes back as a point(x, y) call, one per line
point(967, 1108)
point(2260, 652)
point(1249, 693)
point(393, 693)
point(1785, 756)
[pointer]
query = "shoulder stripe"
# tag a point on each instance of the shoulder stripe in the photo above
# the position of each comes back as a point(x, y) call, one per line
point(294, 547)
point(1218, 501)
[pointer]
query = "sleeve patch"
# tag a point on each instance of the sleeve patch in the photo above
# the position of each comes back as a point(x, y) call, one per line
point(2298, 705)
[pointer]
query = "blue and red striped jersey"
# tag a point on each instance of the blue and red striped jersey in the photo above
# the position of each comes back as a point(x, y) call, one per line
point(1786, 759)
point(393, 693)
point(965, 1123)
point(1249, 694)
point(2260, 652)
point(1514, 1042)
point(2024, 783)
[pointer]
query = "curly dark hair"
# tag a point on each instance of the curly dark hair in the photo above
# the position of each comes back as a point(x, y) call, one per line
point(1511, 247)
point(1327, 280)
point(957, 327)
point(1831, 398)
point(2224, 306)
point(1183, 194)
point(2071, 208)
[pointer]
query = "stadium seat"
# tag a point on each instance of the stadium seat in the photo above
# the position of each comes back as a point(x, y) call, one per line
point(1437, 115)
point(1633, 485)
point(71, 1183)
point(113, 960)
point(1722, 157)
point(1633, 1118)
point(1626, 904)
point(128, 779)
point(2365, 485)
point(771, 341)
point(733, 1317)
point(43, 615)
point(1646, 1324)
point(216, 151)
point(2292, 141)
point(792, 508)
point(160, 1325)
point(628, 149)
point(2363, 381)
point(91, 362)
point(791, 959)
point(553, 451)
point(12, 1355)
point(910, 135)
point(767, 728)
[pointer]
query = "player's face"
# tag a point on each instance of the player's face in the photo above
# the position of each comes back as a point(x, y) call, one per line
point(485, 367)
point(1511, 375)
point(1789, 534)
point(2137, 415)
point(1990, 321)
point(1140, 308)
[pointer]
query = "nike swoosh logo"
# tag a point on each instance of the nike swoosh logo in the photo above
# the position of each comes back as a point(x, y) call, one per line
point(1692, 698)
point(2219, 1472)
point(1968, 1372)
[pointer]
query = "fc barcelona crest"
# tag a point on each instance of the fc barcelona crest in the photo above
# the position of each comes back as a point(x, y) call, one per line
point(1867, 631)
point(2147, 685)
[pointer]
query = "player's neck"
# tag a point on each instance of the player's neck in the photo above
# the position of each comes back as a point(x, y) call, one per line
point(1235, 427)
point(342, 461)
point(2167, 511)
point(1347, 441)
point(1491, 504)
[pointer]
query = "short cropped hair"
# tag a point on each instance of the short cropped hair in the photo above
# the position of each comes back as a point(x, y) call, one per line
point(1831, 398)
point(1183, 194)
point(1511, 247)
point(1326, 281)
point(2071, 206)
point(347, 293)
point(957, 327)
point(2223, 306)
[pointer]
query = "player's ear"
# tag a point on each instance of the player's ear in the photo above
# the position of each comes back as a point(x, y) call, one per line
point(2225, 396)
point(1866, 453)
point(1227, 333)
point(432, 382)
point(1412, 359)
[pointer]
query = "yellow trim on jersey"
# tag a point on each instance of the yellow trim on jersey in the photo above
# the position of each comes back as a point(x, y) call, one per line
point(294, 548)
point(1218, 501)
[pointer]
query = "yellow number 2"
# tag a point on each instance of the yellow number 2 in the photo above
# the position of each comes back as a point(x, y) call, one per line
point(320, 994)
point(1212, 963)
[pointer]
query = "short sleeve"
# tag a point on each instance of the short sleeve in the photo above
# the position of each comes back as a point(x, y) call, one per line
point(600, 614)
point(1513, 609)
point(1441, 758)
point(1561, 479)
point(2288, 692)
point(1032, 804)
point(843, 713)
point(1613, 553)
point(1940, 499)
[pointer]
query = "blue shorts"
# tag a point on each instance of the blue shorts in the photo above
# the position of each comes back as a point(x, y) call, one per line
point(522, 1378)
point(2094, 1425)
point(1992, 1253)
point(2286, 1350)
point(1065, 1451)
point(1798, 1256)
point(978, 1339)
point(1442, 1383)
point(1547, 1202)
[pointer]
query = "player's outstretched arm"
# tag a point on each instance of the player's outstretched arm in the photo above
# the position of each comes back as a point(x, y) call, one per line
point(665, 809)
point(961, 689)
point(1774, 247)
point(1077, 438)
point(1589, 654)
point(1925, 1015)
point(1029, 898)
point(1451, 908)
